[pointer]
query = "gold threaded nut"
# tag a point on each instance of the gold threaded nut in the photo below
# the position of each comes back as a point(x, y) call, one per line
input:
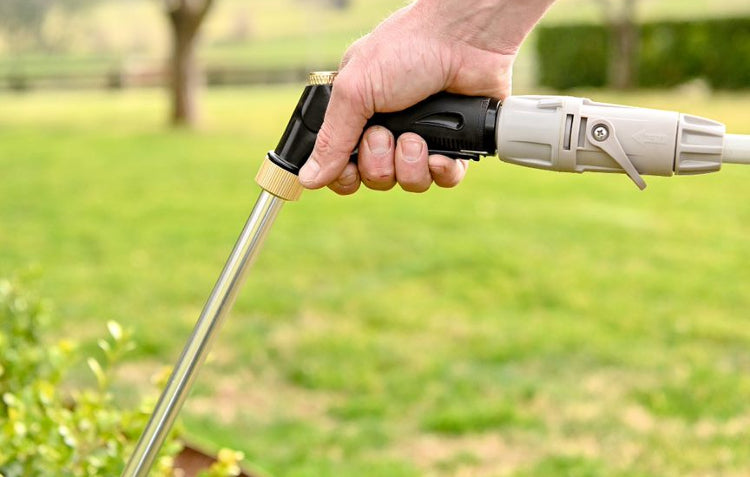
point(279, 182)
point(321, 78)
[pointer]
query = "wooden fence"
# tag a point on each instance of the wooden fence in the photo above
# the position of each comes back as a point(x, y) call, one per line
point(113, 79)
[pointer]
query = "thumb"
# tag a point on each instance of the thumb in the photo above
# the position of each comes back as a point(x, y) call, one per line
point(348, 111)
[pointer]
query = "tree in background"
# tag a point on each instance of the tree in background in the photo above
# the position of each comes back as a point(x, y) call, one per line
point(185, 19)
point(333, 4)
point(22, 27)
point(21, 21)
point(341, 4)
point(621, 17)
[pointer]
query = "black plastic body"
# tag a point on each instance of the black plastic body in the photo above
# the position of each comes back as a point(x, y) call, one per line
point(460, 127)
point(299, 137)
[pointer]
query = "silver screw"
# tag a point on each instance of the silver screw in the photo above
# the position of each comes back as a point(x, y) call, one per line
point(600, 132)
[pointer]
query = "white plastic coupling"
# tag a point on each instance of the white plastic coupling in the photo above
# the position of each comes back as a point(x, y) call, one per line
point(737, 149)
point(569, 134)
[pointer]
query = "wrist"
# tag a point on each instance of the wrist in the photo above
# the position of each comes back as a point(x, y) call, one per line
point(494, 25)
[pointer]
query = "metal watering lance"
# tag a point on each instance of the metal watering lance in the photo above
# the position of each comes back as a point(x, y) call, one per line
point(558, 133)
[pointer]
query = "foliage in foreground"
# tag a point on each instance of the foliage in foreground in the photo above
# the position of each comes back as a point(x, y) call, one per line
point(48, 427)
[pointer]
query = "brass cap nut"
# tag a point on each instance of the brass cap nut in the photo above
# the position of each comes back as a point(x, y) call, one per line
point(279, 182)
point(321, 78)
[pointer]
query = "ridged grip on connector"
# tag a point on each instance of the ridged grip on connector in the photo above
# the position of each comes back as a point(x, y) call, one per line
point(700, 145)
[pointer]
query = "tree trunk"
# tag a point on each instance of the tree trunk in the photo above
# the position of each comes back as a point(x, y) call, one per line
point(185, 19)
point(623, 72)
point(184, 78)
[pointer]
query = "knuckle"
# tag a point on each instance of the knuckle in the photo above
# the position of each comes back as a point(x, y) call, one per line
point(325, 144)
point(352, 87)
point(353, 51)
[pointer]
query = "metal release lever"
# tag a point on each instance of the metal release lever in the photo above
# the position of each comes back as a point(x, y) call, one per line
point(604, 136)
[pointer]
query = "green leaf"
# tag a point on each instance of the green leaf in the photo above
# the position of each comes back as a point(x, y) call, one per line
point(115, 330)
point(105, 346)
point(96, 368)
point(46, 392)
point(10, 400)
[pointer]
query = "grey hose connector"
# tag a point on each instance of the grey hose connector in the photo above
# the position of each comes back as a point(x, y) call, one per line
point(736, 149)
point(567, 134)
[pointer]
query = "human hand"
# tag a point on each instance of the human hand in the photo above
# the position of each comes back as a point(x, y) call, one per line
point(464, 47)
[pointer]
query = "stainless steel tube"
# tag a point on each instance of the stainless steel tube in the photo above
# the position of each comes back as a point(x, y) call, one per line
point(218, 305)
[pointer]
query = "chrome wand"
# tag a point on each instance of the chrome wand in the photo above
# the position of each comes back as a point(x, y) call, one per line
point(279, 185)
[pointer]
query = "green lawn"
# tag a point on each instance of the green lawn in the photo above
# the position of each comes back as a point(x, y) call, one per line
point(525, 324)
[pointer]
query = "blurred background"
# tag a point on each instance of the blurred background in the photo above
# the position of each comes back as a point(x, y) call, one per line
point(523, 324)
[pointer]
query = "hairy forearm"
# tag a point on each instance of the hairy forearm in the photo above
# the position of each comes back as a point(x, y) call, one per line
point(494, 25)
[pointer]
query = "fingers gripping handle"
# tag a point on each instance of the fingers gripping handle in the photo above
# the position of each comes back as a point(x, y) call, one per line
point(460, 127)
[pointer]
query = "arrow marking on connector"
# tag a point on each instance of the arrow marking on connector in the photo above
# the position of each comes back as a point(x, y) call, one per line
point(642, 137)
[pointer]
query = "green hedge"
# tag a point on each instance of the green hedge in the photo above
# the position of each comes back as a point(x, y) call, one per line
point(572, 55)
point(670, 53)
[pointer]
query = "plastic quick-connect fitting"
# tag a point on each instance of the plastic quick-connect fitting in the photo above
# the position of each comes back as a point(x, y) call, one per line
point(569, 134)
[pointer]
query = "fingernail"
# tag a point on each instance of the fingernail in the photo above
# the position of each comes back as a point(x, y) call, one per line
point(412, 150)
point(379, 141)
point(309, 172)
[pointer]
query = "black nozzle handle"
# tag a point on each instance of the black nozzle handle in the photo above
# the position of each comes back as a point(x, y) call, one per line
point(298, 140)
point(460, 127)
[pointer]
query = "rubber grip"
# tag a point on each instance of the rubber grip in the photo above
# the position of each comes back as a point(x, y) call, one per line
point(460, 127)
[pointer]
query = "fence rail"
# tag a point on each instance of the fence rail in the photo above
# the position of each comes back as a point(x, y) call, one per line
point(113, 79)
